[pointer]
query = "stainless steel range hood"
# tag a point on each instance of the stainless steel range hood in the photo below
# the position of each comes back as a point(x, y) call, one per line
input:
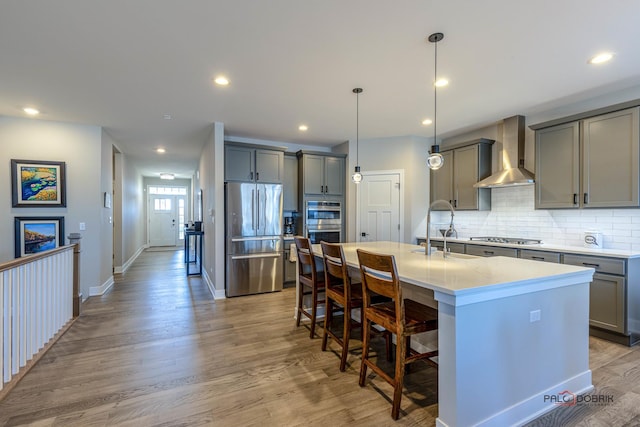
point(513, 171)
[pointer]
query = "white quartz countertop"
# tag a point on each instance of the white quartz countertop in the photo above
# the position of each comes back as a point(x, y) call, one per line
point(612, 253)
point(466, 275)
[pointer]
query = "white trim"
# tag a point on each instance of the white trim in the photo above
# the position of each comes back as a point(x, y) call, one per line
point(102, 289)
point(122, 269)
point(216, 294)
point(400, 173)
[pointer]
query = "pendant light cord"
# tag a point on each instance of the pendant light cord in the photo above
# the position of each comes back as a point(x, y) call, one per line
point(435, 94)
point(357, 128)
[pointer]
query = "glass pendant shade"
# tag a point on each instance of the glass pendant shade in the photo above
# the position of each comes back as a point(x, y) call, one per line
point(435, 161)
point(357, 176)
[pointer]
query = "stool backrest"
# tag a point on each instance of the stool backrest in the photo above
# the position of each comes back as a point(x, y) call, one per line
point(306, 259)
point(380, 276)
point(335, 269)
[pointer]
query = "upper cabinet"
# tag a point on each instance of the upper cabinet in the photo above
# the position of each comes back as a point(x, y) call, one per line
point(463, 167)
point(321, 174)
point(604, 150)
point(290, 184)
point(250, 164)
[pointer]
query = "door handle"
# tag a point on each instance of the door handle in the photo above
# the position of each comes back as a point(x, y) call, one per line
point(253, 210)
point(364, 234)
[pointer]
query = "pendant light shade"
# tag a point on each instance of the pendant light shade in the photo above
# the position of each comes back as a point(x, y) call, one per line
point(357, 176)
point(435, 159)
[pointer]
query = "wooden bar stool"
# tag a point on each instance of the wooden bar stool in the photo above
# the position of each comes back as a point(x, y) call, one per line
point(402, 317)
point(341, 291)
point(311, 281)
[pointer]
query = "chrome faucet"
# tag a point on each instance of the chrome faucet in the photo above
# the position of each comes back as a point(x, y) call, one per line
point(447, 233)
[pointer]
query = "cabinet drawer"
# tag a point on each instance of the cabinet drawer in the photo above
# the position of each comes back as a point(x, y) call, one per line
point(479, 250)
point(454, 247)
point(601, 264)
point(540, 255)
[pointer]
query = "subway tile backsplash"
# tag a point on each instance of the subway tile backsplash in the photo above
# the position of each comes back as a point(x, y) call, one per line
point(513, 215)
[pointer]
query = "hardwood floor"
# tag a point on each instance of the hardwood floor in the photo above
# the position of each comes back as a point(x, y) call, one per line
point(158, 351)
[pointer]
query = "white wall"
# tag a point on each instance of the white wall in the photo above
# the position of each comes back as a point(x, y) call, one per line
point(133, 220)
point(408, 153)
point(81, 148)
point(106, 214)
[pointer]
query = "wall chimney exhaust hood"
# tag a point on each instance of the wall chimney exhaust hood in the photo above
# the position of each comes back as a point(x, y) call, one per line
point(513, 171)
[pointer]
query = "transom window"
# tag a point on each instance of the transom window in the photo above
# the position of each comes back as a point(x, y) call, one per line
point(181, 191)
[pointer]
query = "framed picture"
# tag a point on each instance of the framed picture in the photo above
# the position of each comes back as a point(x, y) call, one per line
point(38, 183)
point(38, 234)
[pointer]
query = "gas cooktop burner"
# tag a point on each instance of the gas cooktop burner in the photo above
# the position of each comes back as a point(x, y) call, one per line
point(508, 240)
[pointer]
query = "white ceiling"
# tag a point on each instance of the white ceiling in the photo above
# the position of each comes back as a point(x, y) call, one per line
point(124, 64)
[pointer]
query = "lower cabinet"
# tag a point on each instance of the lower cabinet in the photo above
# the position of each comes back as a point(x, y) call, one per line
point(454, 247)
point(607, 296)
point(289, 268)
point(479, 250)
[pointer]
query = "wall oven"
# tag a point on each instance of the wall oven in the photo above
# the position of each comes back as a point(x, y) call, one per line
point(323, 221)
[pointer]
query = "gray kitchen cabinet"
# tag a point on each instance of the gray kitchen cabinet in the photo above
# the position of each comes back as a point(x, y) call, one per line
point(442, 180)
point(250, 164)
point(544, 256)
point(610, 146)
point(321, 174)
point(290, 272)
point(558, 167)
point(483, 250)
point(468, 164)
point(290, 183)
point(604, 150)
point(607, 292)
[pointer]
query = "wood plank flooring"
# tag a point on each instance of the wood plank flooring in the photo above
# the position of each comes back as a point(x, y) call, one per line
point(158, 351)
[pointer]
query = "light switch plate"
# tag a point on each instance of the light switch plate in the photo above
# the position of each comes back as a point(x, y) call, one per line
point(83, 226)
point(534, 316)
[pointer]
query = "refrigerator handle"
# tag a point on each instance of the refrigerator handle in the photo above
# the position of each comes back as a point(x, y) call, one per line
point(258, 217)
point(253, 210)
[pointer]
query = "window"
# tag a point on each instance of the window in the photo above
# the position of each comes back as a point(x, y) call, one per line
point(179, 191)
point(162, 205)
point(181, 218)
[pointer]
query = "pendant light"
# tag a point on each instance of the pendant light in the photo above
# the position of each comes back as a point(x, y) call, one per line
point(435, 159)
point(357, 176)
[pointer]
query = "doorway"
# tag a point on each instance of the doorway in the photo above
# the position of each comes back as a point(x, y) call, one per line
point(380, 202)
point(167, 211)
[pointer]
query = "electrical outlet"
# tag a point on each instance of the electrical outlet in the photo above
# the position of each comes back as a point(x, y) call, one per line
point(535, 315)
point(83, 226)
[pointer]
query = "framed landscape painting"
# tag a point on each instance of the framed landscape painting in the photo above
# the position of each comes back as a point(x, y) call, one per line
point(38, 234)
point(38, 183)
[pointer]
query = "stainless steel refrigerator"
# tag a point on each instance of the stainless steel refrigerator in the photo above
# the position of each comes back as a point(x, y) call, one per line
point(253, 238)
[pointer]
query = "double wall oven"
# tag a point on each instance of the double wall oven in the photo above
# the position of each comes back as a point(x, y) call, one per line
point(323, 221)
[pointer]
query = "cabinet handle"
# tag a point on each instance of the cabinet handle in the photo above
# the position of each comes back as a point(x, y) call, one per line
point(251, 176)
point(455, 203)
point(488, 252)
point(450, 202)
point(538, 258)
point(326, 188)
point(575, 198)
point(588, 264)
point(586, 198)
point(257, 176)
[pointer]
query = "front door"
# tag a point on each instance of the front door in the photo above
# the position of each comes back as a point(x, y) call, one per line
point(163, 220)
point(379, 200)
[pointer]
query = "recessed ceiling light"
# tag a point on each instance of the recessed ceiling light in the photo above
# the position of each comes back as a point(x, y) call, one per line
point(303, 128)
point(221, 81)
point(160, 150)
point(167, 176)
point(167, 117)
point(601, 58)
point(441, 82)
point(427, 122)
point(31, 111)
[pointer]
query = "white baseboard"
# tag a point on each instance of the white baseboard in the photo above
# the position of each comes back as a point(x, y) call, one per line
point(215, 293)
point(102, 289)
point(122, 269)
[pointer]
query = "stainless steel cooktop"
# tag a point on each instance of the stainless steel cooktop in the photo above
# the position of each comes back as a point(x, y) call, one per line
point(508, 240)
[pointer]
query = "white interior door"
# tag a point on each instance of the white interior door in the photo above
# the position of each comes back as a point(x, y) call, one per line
point(379, 207)
point(163, 220)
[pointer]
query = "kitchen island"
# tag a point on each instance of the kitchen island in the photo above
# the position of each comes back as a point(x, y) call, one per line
point(513, 334)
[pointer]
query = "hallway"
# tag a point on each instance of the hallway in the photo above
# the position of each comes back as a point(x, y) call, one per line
point(157, 350)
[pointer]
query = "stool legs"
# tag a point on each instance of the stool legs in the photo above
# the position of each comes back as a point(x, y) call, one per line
point(328, 320)
point(345, 338)
point(366, 326)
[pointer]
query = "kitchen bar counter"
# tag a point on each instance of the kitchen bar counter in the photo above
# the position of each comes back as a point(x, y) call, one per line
point(511, 331)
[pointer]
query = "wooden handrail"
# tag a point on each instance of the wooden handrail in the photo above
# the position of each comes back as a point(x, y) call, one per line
point(34, 257)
